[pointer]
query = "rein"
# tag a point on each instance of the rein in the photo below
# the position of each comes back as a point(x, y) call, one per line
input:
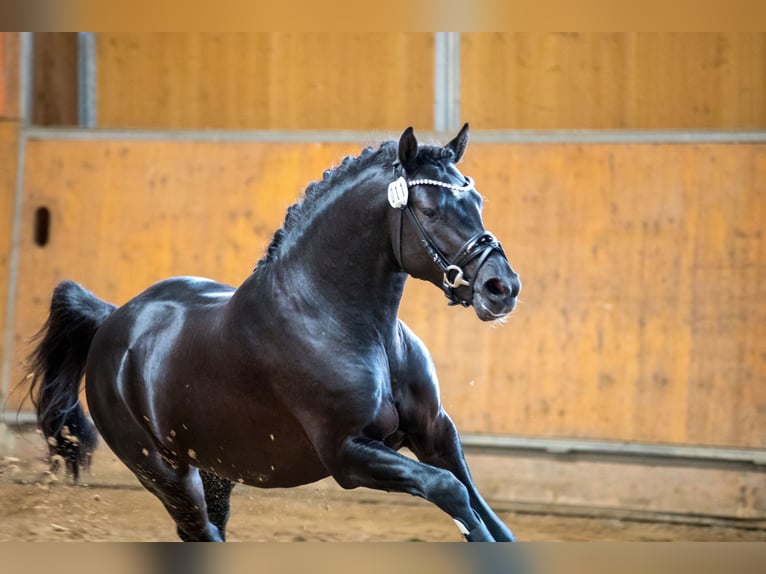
point(479, 246)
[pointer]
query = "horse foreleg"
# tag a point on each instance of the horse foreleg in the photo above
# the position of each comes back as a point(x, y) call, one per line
point(369, 463)
point(441, 447)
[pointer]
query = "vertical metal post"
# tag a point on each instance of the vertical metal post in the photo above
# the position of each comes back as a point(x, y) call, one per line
point(446, 81)
point(26, 77)
point(86, 79)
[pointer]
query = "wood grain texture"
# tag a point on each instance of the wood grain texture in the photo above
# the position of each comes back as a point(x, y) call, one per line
point(55, 79)
point(521, 80)
point(642, 314)
point(127, 214)
point(265, 80)
point(8, 155)
point(9, 75)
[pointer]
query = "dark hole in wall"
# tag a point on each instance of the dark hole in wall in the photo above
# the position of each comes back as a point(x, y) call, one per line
point(42, 226)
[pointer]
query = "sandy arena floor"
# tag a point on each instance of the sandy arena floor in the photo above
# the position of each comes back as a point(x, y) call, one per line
point(110, 505)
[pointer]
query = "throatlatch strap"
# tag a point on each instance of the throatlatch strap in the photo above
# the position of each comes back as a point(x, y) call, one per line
point(398, 242)
point(433, 251)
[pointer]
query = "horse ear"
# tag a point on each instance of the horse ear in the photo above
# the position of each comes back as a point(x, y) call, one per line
point(459, 144)
point(408, 148)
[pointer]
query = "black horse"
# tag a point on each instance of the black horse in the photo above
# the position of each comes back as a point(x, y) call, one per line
point(304, 371)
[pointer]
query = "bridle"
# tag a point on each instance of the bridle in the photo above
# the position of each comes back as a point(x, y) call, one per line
point(480, 246)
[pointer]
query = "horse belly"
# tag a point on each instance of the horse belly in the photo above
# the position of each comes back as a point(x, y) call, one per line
point(263, 455)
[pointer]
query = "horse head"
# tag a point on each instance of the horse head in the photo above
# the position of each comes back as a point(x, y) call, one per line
point(438, 233)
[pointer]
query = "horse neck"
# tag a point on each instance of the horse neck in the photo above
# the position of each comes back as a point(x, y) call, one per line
point(341, 258)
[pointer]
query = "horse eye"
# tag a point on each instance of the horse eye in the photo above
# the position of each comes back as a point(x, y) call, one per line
point(428, 212)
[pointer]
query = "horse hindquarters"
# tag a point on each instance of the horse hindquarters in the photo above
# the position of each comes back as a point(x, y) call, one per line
point(57, 365)
point(117, 396)
point(178, 486)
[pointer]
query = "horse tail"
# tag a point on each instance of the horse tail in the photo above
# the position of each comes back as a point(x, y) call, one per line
point(56, 367)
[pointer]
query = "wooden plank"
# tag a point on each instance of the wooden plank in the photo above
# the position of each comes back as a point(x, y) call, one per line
point(265, 80)
point(728, 274)
point(127, 214)
point(9, 75)
point(55, 79)
point(642, 315)
point(622, 489)
point(8, 155)
point(617, 336)
point(520, 80)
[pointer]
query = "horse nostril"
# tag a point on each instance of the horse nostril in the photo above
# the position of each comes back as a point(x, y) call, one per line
point(496, 287)
point(515, 287)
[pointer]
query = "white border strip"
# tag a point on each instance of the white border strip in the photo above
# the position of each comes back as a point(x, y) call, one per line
point(620, 136)
point(212, 135)
point(744, 458)
point(370, 137)
point(26, 77)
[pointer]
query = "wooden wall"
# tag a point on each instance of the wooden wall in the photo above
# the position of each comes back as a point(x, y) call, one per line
point(55, 79)
point(522, 80)
point(8, 151)
point(9, 75)
point(9, 114)
point(127, 214)
point(510, 80)
point(265, 80)
point(642, 314)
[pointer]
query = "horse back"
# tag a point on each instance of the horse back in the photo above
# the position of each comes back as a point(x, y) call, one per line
point(159, 328)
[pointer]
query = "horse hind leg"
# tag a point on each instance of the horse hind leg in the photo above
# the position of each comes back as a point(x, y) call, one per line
point(182, 493)
point(56, 462)
point(218, 499)
point(178, 487)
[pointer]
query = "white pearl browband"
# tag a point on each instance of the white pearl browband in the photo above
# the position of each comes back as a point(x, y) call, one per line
point(467, 187)
point(398, 190)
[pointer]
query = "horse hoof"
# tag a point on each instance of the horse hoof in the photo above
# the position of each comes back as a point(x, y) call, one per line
point(479, 534)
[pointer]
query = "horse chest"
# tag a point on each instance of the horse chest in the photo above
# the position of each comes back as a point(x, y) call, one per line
point(385, 421)
point(358, 397)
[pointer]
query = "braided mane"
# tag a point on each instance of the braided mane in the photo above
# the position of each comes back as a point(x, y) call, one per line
point(301, 211)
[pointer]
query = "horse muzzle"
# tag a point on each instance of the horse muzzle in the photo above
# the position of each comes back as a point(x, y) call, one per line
point(495, 290)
